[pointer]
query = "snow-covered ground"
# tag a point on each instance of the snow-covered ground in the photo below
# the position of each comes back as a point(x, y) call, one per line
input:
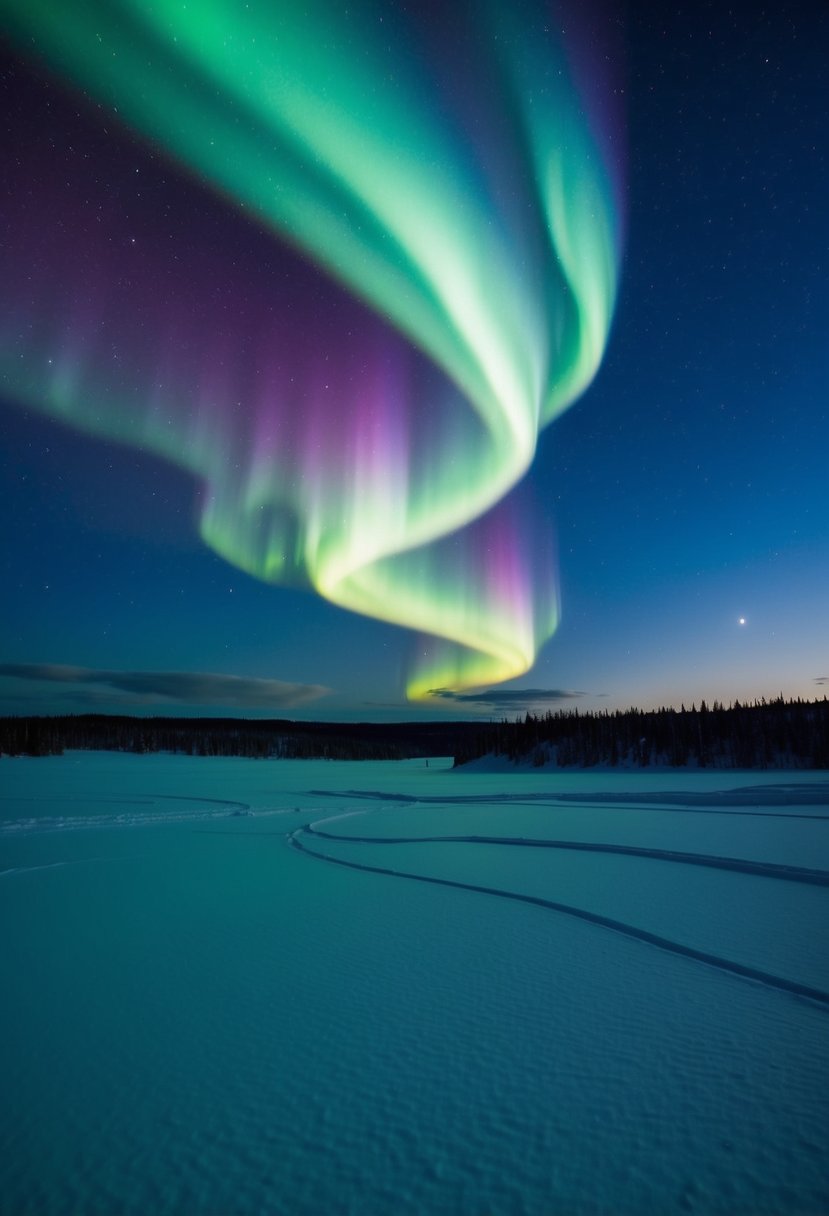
point(246, 986)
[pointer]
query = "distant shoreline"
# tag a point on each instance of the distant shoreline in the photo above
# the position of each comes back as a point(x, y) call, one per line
point(774, 734)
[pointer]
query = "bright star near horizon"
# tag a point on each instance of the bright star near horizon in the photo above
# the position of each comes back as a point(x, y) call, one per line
point(742, 620)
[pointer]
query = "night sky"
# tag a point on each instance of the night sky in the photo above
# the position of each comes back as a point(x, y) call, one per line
point(278, 336)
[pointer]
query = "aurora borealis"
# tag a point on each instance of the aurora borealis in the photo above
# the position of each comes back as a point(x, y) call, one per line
point(277, 343)
point(465, 229)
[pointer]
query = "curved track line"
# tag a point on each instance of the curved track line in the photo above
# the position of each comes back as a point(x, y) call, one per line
point(668, 803)
point(764, 869)
point(663, 943)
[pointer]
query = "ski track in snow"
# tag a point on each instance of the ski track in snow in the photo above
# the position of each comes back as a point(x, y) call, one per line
point(738, 802)
point(766, 869)
point(817, 995)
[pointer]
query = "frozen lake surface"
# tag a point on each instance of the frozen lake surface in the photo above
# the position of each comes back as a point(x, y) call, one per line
point(237, 986)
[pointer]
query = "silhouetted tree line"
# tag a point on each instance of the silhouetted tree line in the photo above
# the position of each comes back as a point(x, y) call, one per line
point(273, 739)
point(765, 734)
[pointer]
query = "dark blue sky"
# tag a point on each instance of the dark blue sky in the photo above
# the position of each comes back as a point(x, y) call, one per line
point(687, 489)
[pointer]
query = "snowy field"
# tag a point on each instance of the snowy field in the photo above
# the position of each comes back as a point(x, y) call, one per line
point(237, 986)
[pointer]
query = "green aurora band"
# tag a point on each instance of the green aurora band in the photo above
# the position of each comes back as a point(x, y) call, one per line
point(471, 208)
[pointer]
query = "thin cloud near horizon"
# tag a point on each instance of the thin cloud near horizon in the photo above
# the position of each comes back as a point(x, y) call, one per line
point(179, 687)
point(507, 698)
